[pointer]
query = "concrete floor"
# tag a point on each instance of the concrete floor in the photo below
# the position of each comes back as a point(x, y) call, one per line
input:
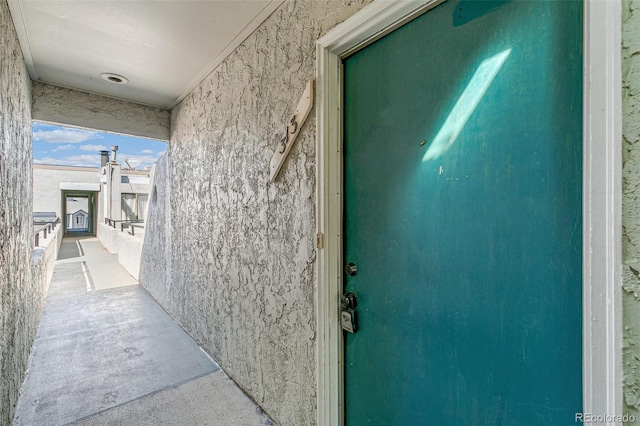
point(107, 354)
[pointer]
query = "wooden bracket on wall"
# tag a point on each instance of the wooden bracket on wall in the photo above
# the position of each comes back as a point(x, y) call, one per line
point(293, 129)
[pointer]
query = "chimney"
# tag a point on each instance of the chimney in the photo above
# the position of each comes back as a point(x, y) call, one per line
point(114, 149)
point(104, 158)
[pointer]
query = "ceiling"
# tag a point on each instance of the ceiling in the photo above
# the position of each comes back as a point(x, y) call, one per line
point(164, 48)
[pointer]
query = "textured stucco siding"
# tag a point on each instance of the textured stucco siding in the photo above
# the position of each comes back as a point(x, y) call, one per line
point(21, 299)
point(44, 257)
point(74, 108)
point(127, 247)
point(631, 203)
point(242, 277)
point(155, 264)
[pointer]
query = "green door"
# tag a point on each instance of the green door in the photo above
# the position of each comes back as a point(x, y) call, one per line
point(463, 214)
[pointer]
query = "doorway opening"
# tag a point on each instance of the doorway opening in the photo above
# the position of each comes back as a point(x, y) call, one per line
point(78, 212)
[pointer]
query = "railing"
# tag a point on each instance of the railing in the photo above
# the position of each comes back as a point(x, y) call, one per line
point(132, 227)
point(112, 223)
point(130, 224)
point(44, 227)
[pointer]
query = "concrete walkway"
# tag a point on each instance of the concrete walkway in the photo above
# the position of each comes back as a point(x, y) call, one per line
point(107, 354)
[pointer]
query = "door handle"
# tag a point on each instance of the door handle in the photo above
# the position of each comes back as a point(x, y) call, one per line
point(348, 302)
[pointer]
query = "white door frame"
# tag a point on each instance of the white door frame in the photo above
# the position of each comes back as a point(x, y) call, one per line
point(602, 194)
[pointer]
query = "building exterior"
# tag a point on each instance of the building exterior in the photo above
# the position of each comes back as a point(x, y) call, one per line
point(253, 270)
point(107, 192)
point(50, 183)
point(78, 220)
point(124, 192)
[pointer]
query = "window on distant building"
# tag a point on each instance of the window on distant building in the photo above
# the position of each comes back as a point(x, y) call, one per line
point(134, 206)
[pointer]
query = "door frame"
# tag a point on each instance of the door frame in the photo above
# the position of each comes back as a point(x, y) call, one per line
point(90, 196)
point(602, 195)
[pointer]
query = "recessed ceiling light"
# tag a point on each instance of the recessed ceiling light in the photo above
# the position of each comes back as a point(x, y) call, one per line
point(114, 78)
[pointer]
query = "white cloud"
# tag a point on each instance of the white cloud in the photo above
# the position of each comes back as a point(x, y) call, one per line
point(146, 151)
point(147, 160)
point(63, 148)
point(65, 136)
point(72, 160)
point(90, 147)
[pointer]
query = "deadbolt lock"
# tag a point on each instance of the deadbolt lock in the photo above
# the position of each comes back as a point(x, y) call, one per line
point(351, 269)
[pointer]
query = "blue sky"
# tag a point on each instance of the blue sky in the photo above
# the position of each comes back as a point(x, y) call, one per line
point(78, 147)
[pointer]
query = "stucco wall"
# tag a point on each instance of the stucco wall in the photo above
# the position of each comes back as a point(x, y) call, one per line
point(242, 276)
point(155, 265)
point(127, 247)
point(631, 207)
point(74, 108)
point(21, 299)
point(44, 258)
